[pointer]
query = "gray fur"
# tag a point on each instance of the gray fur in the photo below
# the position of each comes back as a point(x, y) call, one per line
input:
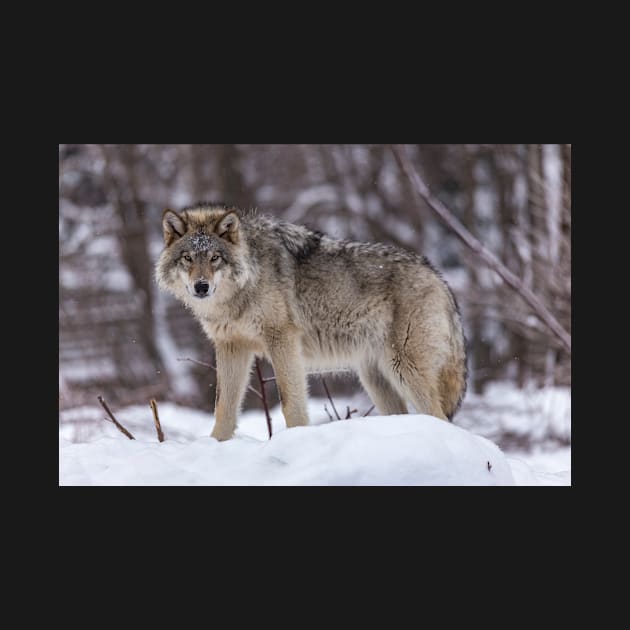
point(309, 302)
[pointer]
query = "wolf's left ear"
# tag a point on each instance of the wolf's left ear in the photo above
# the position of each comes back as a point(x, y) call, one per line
point(228, 227)
point(173, 226)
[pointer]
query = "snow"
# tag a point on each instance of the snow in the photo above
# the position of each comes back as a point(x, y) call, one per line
point(394, 450)
point(307, 199)
point(529, 414)
point(200, 242)
point(541, 469)
point(103, 367)
point(552, 165)
point(400, 450)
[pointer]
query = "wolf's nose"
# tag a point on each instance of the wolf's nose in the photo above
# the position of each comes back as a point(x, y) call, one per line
point(201, 287)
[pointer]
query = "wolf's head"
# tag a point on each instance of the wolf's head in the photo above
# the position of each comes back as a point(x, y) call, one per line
point(203, 254)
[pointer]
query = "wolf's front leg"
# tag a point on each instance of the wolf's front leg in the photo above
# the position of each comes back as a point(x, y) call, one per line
point(286, 358)
point(233, 364)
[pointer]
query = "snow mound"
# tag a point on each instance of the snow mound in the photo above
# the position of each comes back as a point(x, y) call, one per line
point(392, 450)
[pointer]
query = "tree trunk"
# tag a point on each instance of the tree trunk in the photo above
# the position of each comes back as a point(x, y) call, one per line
point(133, 240)
point(234, 189)
point(532, 364)
point(565, 207)
point(479, 350)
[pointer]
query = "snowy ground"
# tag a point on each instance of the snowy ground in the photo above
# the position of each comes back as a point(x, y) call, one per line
point(392, 450)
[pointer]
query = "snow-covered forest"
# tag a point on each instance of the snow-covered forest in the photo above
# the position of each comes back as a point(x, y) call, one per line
point(122, 339)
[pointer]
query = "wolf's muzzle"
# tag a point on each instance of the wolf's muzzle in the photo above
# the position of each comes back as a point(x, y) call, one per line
point(201, 288)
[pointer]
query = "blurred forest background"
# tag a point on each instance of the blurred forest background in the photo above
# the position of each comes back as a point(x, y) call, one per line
point(121, 338)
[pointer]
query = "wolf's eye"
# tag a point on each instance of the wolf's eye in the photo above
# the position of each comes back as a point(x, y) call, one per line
point(215, 257)
point(187, 258)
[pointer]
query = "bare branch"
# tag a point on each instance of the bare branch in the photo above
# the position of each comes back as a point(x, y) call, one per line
point(264, 395)
point(367, 413)
point(422, 190)
point(349, 412)
point(330, 398)
point(158, 426)
point(111, 415)
point(209, 365)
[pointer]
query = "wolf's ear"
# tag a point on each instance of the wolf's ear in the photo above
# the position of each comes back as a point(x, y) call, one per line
point(228, 227)
point(173, 226)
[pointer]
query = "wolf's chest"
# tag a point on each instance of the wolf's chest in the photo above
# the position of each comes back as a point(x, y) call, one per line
point(227, 329)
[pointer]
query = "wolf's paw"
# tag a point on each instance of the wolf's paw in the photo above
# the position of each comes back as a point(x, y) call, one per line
point(297, 421)
point(221, 433)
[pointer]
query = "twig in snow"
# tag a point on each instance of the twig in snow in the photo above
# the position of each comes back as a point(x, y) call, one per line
point(367, 413)
point(330, 398)
point(111, 415)
point(328, 413)
point(158, 426)
point(264, 395)
point(349, 413)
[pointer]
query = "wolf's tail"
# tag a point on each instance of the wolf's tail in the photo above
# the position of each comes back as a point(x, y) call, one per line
point(454, 375)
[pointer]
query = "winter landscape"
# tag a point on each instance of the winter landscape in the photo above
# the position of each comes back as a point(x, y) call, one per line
point(376, 450)
point(125, 341)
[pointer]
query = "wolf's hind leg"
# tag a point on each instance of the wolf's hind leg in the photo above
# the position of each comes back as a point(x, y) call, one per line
point(416, 380)
point(379, 389)
point(421, 389)
point(233, 365)
point(286, 358)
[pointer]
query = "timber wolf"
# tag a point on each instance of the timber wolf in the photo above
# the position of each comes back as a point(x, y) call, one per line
point(305, 301)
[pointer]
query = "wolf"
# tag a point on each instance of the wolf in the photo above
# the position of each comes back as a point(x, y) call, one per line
point(263, 287)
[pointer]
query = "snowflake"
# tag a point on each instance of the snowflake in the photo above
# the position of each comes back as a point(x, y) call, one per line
point(200, 242)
